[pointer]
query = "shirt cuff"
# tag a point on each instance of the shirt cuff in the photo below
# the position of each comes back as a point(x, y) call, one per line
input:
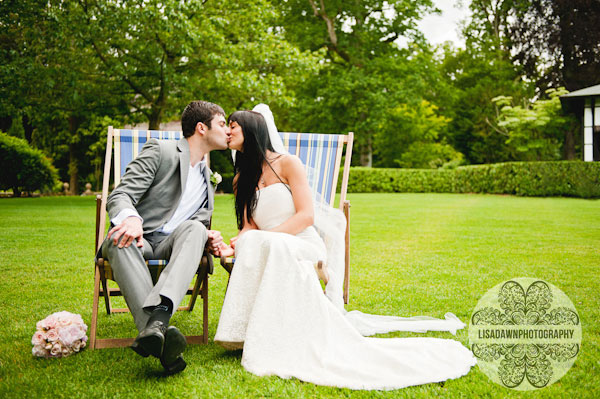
point(124, 214)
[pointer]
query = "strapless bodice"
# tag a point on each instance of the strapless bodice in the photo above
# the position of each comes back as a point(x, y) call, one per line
point(274, 206)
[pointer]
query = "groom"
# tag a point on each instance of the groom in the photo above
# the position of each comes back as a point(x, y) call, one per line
point(161, 210)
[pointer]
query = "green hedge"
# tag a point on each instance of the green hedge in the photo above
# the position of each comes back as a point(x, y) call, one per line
point(560, 178)
point(24, 168)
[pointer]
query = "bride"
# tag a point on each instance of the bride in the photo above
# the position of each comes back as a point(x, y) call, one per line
point(275, 308)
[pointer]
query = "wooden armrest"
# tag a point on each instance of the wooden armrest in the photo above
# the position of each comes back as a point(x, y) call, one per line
point(227, 263)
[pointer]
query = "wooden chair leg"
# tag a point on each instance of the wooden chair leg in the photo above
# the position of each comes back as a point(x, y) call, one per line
point(196, 289)
point(205, 309)
point(106, 295)
point(347, 253)
point(94, 324)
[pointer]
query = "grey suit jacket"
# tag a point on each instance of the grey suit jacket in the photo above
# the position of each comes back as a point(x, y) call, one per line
point(153, 184)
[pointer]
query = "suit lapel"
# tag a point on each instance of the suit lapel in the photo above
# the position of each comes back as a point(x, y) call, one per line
point(184, 161)
point(209, 188)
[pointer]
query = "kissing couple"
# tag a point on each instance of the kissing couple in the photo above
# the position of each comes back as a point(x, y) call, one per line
point(274, 308)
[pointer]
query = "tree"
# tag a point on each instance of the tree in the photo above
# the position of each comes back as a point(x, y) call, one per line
point(477, 76)
point(168, 52)
point(68, 65)
point(558, 42)
point(408, 129)
point(365, 74)
point(536, 131)
point(489, 26)
point(51, 82)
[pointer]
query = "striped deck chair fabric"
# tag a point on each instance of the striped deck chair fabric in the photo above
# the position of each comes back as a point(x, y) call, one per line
point(129, 143)
point(321, 154)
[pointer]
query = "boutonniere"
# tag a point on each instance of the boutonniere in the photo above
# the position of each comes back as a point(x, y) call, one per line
point(215, 179)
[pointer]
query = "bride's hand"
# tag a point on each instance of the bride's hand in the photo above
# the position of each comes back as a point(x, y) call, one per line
point(247, 227)
point(226, 250)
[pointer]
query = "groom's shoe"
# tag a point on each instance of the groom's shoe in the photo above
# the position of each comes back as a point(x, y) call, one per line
point(176, 367)
point(150, 340)
point(138, 349)
point(175, 344)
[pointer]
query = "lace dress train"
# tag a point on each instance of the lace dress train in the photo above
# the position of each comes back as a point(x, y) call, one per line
point(276, 310)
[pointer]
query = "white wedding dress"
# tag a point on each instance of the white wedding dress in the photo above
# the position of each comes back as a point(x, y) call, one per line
point(276, 310)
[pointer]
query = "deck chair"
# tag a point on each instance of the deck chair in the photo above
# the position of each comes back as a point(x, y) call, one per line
point(323, 153)
point(127, 145)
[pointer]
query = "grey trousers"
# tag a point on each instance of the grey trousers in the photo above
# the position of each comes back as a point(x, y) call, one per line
point(183, 248)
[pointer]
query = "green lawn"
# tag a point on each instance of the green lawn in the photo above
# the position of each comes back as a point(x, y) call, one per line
point(411, 254)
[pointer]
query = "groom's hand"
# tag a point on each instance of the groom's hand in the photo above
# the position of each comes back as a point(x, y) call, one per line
point(214, 241)
point(129, 230)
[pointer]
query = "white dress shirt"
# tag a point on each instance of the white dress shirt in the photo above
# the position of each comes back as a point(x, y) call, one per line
point(194, 195)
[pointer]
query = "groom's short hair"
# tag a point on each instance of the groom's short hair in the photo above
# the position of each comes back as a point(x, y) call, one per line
point(198, 111)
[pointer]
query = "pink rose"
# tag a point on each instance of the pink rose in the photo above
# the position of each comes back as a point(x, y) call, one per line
point(64, 334)
point(77, 332)
point(38, 338)
point(66, 351)
point(39, 351)
point(49, 322)
point(76, 319)
point(52, 335)
point(76, 346)
point(63, 319)
point(48, 346)
point(56, 350)
point(83, 344)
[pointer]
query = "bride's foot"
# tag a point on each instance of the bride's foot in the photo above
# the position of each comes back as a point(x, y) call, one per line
point(321, 269)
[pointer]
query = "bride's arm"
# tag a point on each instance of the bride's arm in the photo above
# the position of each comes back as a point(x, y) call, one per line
point(293, 172)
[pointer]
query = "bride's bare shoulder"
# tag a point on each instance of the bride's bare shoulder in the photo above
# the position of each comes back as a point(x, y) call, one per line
point(289, 160)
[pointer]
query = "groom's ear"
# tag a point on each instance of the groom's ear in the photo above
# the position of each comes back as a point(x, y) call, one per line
point(200, 128)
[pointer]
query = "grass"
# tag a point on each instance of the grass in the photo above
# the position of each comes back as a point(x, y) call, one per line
point(411, 254)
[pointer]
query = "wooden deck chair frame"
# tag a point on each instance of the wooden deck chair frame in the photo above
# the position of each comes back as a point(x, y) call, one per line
point(103, 272)
point(294, 143)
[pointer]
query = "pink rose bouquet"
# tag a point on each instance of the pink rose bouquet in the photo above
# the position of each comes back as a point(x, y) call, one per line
point(58, 335)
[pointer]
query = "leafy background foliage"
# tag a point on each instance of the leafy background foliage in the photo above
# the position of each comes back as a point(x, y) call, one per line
point(69, 69)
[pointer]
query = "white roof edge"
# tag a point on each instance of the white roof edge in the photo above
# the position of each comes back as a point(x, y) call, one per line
point(588, 91)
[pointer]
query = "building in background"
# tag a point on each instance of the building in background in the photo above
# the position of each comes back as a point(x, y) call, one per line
point(585, 103)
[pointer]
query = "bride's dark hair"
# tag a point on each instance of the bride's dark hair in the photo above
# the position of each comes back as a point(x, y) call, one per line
point(248, 164)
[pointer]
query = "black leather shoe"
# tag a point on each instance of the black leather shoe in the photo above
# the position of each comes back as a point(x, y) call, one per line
point(151, 339)
point(175, 344)
point(138, 349)
point(176, 367)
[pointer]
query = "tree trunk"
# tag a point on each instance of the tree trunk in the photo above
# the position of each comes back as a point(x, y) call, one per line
point(28, 128)
point(155, 118)
point(569, 148)
point(73, 163)
point(366, 154)
point(73, 170)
